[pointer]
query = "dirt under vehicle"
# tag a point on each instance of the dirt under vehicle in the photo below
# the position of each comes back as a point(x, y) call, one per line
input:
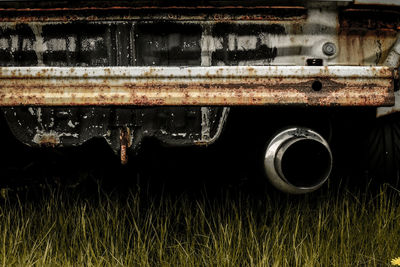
point(171, 70)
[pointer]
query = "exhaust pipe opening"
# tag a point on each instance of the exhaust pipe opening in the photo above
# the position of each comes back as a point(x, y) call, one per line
point(305, 162)
point(298, 160)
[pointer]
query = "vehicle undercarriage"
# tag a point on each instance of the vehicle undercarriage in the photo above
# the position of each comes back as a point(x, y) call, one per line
point(126, 71)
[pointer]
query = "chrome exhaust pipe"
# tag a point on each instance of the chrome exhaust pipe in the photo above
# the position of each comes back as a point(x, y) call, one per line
point(298, 160)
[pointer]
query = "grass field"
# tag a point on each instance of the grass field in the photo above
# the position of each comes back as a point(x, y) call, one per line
point(334, 227)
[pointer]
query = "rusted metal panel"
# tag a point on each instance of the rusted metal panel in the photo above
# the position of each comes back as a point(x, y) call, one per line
point(214, 39)
point(160, 86)
point(378, 2)
point(384, 111)
point(123, 128)
point(129, 13)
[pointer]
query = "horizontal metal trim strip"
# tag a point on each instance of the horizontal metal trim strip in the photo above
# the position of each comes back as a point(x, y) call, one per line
point(226, 86)
point(197, 72)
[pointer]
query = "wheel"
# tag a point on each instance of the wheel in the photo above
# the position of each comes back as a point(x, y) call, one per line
point(383, 147)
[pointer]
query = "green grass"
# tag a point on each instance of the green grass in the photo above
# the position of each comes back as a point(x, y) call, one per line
point(329, 228)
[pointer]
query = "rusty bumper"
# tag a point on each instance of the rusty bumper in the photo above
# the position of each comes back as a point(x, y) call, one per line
point(152, 86)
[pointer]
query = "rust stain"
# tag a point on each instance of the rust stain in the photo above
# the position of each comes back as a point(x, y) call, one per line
point(290, 92)
point(364, 47)
point(47, 140)
point(217, 13)
point(370, 18)
point(148, 8)
point(216, 17)
point(125, 141)
point(322, 89)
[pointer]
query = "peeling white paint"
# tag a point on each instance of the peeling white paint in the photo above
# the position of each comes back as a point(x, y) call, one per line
point(44, 137)
point(39, 45)
point(14, 43)
point(51, 122)
point(4, 44)
point(205, 123)
point(221, 124)
point(91, 44)
point(59, 44)
point(70, 124)
point(247, 42)
point(71, 44)
point(30, 109)
point(179, 134)
point(51, 137)
point(39, 115)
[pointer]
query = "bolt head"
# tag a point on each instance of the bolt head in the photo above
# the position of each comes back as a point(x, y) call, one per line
point(329, 49)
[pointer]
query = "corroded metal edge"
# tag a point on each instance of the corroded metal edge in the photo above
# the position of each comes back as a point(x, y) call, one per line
point(191, 73)
point(128, 13)
point(226, 86)
point(378, 2)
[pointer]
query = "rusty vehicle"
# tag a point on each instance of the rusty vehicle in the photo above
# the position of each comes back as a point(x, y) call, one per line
point(172, 70)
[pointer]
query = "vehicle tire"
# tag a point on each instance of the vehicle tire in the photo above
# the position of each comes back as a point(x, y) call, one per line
point(383, 147)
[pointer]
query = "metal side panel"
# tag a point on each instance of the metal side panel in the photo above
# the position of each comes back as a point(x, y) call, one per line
point(378, 2)
point(227, 85)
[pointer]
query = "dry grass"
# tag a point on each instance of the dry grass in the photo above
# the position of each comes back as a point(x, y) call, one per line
point(330, 228)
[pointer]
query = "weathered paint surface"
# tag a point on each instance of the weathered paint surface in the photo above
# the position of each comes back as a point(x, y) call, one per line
point(378, 2)
point(80, 48)
point(287, 36)
point(383, 111)
point(152, 86)
point(122, 127)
